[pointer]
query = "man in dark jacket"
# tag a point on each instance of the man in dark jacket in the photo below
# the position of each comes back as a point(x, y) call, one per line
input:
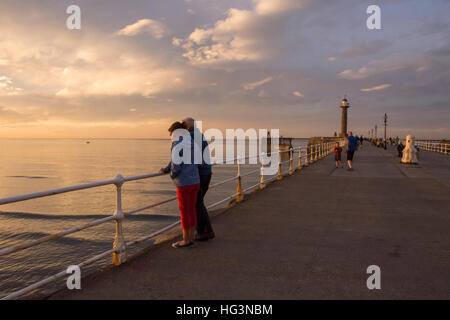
point(204, 228)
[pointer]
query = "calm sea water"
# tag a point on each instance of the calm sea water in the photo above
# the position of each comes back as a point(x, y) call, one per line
point(34, 165)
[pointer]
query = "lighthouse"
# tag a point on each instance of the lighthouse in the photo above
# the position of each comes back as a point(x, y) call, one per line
point(344, 106)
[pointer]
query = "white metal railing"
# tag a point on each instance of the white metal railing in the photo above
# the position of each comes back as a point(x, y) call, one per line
point(434, 146)
point(306, 156)
point(429, 145)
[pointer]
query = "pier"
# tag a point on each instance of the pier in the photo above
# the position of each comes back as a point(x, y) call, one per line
point(309, 235)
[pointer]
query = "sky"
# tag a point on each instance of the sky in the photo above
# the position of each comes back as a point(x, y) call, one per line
point(136, 66)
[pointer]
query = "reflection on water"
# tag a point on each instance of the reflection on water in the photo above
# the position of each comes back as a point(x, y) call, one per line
point(28, 166)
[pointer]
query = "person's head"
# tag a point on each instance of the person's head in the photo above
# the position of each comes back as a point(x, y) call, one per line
point(337, 144)
point(350, 133)
point(175, 126)
point(189, 123)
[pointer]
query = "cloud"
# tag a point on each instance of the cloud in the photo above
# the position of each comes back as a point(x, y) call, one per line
point(270, 7)
point(10, 116)
point(92, 78)
point(242, 36)
point(253, 85)
point(364, 48)
point(7, 87)
point(92, 65)
point(154, 28)
point(377, 88)
point(391, 64)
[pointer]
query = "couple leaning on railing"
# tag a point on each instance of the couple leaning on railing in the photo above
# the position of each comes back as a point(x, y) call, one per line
point(192, 182)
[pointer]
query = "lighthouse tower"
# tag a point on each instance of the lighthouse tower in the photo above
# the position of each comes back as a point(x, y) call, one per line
point(344, 106)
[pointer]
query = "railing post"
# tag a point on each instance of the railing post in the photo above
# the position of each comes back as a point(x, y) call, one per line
point(311, 160)
point(291, 167)
point(306, 157)
point(120, 256)
point(300, 158)
point(316, 155)
point(279, 176)
point(239, 186)
point(261, 180)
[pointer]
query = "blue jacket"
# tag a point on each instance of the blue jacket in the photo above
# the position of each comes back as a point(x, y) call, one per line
point(183, 174)
point(205, 167)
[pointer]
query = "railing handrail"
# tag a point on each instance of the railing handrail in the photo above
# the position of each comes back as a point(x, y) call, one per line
point(322, 148)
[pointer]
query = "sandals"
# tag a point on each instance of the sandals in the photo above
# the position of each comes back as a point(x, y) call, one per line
point(177, 245)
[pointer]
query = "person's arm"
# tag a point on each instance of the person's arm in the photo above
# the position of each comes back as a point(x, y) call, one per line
point(166, 169)
point(176, 170)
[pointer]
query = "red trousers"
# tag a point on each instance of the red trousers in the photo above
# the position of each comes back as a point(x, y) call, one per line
point(187, 199)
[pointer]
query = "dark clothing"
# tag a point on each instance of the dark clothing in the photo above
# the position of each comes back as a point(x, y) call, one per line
point(203, 222)
point(400, 148)
point(205, 167)
point(350, 154)
point(337, 153)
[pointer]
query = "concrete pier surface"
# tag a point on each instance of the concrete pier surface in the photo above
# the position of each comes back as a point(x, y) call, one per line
point(311, 235)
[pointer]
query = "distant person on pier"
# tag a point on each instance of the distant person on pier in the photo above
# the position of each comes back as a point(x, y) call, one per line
point(187, 181)
point(205, 231)
point(400, 148)
point(337, 155)
point(352, 145)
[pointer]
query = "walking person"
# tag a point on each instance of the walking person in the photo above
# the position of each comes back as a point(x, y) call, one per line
point(352, 145)
point(187, 181)
point(205, 231)
point(337, 155)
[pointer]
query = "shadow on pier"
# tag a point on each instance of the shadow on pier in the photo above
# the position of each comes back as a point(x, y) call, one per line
point(311, 235)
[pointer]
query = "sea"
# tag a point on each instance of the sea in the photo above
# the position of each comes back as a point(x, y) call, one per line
point(33, 165)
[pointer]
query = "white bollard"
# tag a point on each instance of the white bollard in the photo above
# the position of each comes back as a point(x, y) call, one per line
point(410, 152)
